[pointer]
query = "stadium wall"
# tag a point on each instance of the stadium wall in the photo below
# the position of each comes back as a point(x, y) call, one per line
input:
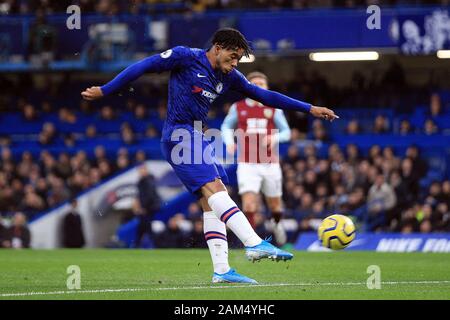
point(97, 208)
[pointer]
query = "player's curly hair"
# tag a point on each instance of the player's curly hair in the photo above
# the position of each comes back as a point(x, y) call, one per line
point(230, 38)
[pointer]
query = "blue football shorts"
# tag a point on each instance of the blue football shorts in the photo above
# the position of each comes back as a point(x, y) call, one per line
point(193, 158)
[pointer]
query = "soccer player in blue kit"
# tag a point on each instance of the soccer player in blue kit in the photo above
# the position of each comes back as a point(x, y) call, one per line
point(197, 78)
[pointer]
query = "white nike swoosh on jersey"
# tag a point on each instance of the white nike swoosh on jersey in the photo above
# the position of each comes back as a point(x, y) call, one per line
point(200, 76)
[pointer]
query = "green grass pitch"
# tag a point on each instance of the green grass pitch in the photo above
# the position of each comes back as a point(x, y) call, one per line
point(186, 274)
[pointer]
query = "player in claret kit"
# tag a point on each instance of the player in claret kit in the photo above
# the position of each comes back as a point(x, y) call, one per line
point(197, 78)
point(259, 127)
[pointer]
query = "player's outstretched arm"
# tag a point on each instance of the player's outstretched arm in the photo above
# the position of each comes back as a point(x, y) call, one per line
point(166, 61)
point(280, 101)
point(131, 73)
point(92, 93)
point(324, 113)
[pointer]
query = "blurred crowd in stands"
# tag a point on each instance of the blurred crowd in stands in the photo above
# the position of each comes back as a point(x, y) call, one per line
point(381, 189)
point(113, 7)
point(35, 185)
point(385, 185)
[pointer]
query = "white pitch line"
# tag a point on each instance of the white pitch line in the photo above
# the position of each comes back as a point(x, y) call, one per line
point(300, 285)
point(70, 292)
point(23, 294)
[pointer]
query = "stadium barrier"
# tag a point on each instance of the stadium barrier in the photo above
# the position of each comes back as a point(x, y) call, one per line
point(383, 242)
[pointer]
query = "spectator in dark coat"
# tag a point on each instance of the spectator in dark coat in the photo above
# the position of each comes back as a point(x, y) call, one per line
point(149, 201)
point(409, 177)
point(148, 195)
point(420, 166)
point(73, 236)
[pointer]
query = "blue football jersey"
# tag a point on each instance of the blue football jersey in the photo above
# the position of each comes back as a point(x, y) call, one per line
point(194, 85)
